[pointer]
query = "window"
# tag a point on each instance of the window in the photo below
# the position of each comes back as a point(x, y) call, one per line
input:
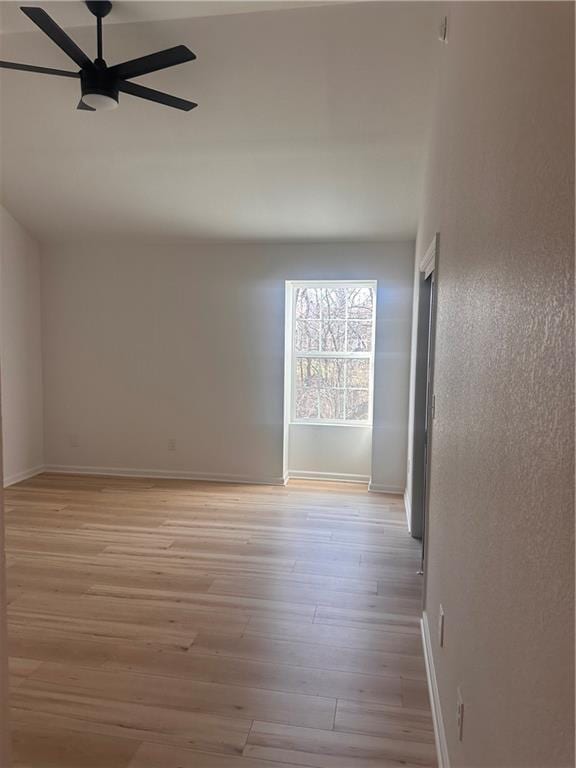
point(332, 352)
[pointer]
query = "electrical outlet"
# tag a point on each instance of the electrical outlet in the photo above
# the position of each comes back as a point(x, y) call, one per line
point(74, 442)
point(441, 627)
point(172, 444)
point(459, 714)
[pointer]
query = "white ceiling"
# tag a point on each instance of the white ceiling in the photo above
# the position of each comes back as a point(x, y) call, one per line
point(71, 14)
point(311, 124)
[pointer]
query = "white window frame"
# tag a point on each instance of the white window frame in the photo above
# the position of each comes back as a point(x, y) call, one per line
point(332, 355)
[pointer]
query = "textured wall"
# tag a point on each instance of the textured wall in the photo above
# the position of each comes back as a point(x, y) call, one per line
point(500, 191)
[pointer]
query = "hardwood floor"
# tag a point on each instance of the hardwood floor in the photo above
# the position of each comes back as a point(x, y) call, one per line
point(172, 624)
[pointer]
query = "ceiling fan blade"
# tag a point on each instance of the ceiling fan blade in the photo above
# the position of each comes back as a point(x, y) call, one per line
point(153, 62)
point(42, 70)
point(81, 105)
point(57, 35)
point(161, 98)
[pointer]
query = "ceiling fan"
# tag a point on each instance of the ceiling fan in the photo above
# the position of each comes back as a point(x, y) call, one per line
point(100, 83)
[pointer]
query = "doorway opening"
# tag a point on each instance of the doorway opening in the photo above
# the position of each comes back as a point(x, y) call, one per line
point(329, 377)
point(424, 399)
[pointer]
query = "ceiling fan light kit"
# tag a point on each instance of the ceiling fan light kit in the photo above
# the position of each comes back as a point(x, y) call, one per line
point(99, 90)
point(100, 84)
point(102, 102)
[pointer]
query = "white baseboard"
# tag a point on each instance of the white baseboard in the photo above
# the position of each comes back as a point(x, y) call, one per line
point(332, 476)
point(439, 732)
point(18, 477)
point(407, 507)
point(379, 488)
point(163, 474)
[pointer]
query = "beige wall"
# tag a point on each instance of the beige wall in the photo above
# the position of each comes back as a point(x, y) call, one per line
point(21, 351)
point(500, 192)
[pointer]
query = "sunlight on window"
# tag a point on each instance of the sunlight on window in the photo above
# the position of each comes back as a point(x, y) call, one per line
point(332, 352)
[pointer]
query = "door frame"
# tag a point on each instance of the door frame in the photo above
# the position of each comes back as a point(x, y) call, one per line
point(429, 269)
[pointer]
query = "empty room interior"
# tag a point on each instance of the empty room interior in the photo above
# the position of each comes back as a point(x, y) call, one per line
point(287, 384)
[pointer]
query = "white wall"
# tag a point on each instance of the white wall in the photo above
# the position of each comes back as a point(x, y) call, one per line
point(147, 343)
point(330, 451)
point(500, 557)
point(20, 351)
point(391, 376)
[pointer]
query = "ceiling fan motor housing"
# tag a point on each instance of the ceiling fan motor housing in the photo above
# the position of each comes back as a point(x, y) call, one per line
point(98, 80)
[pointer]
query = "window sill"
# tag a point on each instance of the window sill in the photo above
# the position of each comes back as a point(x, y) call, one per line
point(331, 424)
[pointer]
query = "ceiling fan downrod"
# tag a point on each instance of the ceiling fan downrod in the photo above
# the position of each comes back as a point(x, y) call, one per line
point(100, 9)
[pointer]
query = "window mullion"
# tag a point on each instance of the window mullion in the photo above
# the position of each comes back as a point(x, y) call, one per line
point(345, 398)
point(321, 323)
point(346, 322)
point(335, 355)
point(345, 388)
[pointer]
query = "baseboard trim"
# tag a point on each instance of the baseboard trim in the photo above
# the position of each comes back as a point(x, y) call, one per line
point(162, 474)
point(19, 477)
point(331, 476)
point(439, 732)
point(407, 507)
point(379, 488)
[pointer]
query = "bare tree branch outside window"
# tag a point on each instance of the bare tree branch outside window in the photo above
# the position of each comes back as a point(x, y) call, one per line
point(333, 349)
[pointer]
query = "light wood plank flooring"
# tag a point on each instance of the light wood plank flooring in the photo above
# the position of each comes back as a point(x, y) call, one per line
point(171, 624)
